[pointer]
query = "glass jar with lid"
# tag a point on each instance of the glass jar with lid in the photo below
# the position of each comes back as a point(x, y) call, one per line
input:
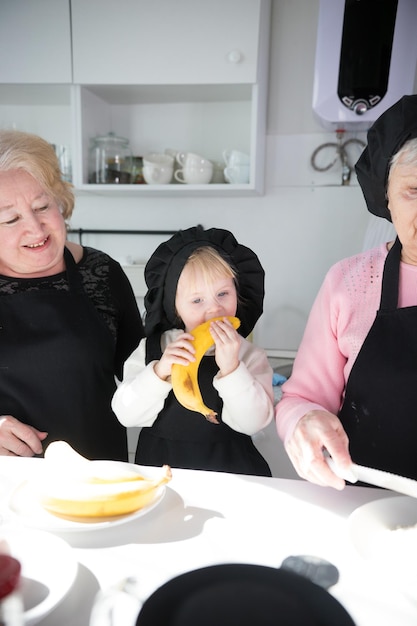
point(110, 160)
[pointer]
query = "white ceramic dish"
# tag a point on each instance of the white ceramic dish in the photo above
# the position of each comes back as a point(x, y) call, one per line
point(24, 505)
point(385, 531)
point(49, 568)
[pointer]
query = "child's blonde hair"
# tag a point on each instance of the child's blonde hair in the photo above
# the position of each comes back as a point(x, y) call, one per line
point(207, 262)
point(210, 264)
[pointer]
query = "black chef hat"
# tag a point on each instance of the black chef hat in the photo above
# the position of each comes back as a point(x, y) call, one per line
point(244, 594)
point(391, 130)
point(164, 267)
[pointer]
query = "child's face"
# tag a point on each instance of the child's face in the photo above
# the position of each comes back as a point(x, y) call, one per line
point(198, 300)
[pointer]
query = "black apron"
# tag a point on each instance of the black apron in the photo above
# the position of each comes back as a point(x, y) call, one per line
point(183, 438)
point(379, 412)
point(57, 367)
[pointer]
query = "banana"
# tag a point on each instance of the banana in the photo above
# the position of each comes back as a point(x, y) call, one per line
point(74, 487)
point(184, 378)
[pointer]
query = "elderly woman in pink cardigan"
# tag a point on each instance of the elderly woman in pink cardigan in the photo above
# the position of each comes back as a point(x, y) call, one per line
point(353, 390)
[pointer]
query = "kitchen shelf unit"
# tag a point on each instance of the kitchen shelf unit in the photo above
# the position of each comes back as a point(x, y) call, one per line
point(213, 102)
point(202, 119)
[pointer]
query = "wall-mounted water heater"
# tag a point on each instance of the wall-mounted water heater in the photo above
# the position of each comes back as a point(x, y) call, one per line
point(366, 60)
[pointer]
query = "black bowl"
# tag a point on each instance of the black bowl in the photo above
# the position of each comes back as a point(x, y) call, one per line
point(243, 594)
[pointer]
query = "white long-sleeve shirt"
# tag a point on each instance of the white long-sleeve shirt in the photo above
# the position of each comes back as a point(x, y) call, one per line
point(247, 392)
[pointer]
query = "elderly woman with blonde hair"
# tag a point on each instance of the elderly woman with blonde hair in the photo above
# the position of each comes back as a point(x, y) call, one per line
point(68, 316)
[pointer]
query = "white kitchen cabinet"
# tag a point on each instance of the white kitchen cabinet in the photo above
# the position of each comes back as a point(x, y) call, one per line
point(165, 42)
point(35, 41)
point(186, 75)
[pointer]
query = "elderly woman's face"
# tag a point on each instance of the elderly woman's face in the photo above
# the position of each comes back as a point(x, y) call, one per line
point(402, 203)
point(32, 229)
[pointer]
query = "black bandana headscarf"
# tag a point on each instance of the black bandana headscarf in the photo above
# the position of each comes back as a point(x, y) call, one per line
point(386, 136)
point(163, 270)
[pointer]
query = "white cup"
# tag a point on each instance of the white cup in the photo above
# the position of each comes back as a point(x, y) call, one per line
point(235, 157)
point(117, 605)
point(158, 169)
point(173, 153)
point(195, 175)
point(218, 173)
point(191, 159)
point(237, 175)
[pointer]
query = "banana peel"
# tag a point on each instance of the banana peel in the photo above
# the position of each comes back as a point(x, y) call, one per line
point(75, 488)
point(184, 378)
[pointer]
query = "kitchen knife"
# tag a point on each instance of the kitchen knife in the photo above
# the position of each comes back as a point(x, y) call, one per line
point(376, 477)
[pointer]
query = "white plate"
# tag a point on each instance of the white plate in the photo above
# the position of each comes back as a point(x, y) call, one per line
point(385, 531)
point(49, 568)
point(25, 506)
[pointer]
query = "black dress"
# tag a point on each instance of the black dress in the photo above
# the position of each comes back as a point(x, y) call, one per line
point(61, 350)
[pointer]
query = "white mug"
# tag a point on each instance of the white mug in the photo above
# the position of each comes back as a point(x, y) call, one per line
point(235, 157)
point(158, 168)
point(191, 159)
point(194, 175)
point(237, 175)
point(117, 605)
point(173, 153)
point(218, 173)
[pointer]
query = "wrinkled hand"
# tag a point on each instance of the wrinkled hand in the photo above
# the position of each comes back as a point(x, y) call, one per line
point(227, 342)
point(179, 351)
point(18, 439)
point(316, 431)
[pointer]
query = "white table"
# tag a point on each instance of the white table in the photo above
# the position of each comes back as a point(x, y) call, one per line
point(208, 517)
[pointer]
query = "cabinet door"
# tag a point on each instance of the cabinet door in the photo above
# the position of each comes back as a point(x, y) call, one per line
point(35, 41)
point(165, 42)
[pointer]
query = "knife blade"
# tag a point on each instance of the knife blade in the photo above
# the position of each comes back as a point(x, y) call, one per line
point(379, 478)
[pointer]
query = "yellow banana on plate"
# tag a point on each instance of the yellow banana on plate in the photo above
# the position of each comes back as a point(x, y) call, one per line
point(72, 486)
point(184, 378)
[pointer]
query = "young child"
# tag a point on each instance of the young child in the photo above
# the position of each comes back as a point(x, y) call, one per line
point(193, 277)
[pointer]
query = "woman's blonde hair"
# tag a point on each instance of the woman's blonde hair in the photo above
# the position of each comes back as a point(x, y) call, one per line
point(34, 155)
point(210, 264)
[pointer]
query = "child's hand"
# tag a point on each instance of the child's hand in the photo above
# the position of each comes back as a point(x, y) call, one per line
point(227, 342)
point(179, 351)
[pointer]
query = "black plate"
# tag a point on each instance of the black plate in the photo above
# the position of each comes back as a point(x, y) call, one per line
point(248, 595)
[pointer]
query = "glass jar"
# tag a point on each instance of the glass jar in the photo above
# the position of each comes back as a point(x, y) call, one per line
point(137, 170)
point(110, 160)
point(11, 603)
